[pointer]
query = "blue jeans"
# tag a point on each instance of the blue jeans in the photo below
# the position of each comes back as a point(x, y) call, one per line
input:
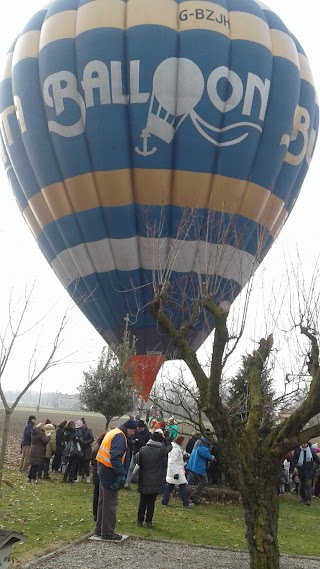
point(182, 491)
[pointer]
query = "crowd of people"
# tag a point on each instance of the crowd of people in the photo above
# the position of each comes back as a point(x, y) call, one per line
point(150, 453)
point(65, 448)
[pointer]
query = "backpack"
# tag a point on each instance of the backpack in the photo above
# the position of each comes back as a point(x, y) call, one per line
point(73, 449)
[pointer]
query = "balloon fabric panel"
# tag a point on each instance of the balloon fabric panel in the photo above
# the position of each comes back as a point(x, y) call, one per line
point(151, 143)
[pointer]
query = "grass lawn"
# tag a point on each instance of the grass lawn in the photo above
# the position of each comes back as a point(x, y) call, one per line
point(51, 514)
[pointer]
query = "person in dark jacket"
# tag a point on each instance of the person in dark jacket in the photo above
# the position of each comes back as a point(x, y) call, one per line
point(151, 459)
point(60, 444)
point(37, 451)
point(304, 458)
point(192, 441)
point(26, 443)
point(95, 477)
point(86, 439)
point(70, 457)
point(139, 439)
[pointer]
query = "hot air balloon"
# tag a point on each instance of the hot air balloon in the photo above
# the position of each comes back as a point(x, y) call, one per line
point(156, 143)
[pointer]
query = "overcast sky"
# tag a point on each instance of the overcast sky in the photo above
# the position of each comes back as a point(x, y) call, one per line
point(22, 261)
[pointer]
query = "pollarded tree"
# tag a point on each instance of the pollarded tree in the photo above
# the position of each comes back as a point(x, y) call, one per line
point(238, 397)
point(108, 387)
point(254, 454)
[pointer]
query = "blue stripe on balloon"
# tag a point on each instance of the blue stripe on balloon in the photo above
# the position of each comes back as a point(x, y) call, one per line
point(246, 6)
point(59, 6)
point(116, 223)
point(107, 310)
point(37, 139)
point(270, 154)
point(286, 187)
point(97, 151)
point(35, 23)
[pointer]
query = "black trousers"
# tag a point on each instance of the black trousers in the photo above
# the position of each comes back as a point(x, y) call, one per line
point(33, 472)
point(146, 507)
point(95, 501)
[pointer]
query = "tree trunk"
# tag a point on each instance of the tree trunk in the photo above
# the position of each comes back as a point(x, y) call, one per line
point(261, 509)
point(5, 432)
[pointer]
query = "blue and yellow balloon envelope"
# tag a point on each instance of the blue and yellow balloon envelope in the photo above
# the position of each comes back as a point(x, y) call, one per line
point(156, 141)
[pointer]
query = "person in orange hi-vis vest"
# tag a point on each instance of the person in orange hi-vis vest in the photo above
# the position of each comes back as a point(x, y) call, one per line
point(112, 475)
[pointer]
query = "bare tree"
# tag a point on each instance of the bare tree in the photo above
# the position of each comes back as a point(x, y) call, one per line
point(254, 454)
point(40, 359)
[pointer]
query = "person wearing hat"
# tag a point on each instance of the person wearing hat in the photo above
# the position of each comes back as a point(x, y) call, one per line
point(26, 443)
point(197, 464)
point(49, 428)
point(39, 441)
point(172, 428)
point(112, 475)
point(139, 439)
point(86, 439)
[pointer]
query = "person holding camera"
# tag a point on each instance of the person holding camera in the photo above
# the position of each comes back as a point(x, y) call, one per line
point(176, 474)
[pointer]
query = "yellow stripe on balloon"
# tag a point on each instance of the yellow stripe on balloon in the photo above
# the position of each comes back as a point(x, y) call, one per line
point(156, 188)
point(58, 27)
point(306, 73)
point(117, 14)
point(284, 46)
point(250, 28)
point(32, 221)
point(101, 14)
point(6, 69)
point(27, 46)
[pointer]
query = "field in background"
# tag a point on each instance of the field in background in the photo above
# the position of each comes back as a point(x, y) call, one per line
point(52, 513)
point(95, 421)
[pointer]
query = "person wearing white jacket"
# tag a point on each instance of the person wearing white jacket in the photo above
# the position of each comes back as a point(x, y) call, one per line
point(176, 474)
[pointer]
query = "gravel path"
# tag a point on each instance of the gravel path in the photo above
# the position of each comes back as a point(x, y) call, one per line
point(136, 553)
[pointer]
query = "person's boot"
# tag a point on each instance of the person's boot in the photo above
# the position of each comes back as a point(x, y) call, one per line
point(78, 479)
point(127, 485)
point(139, 524)
point(149, 525)
point(88, 480)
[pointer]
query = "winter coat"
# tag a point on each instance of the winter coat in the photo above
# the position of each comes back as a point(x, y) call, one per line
point(26, 435)
point(119, 447)
point(198, 459)
point(140, 439)
point(176, 466)
point(94, 464)
point(152, 459)
point(60, 440)
point(51, 446)
point(307, 469)
point(38, 446)
point(190, 444)
point(86, 439)
point(69, 435)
